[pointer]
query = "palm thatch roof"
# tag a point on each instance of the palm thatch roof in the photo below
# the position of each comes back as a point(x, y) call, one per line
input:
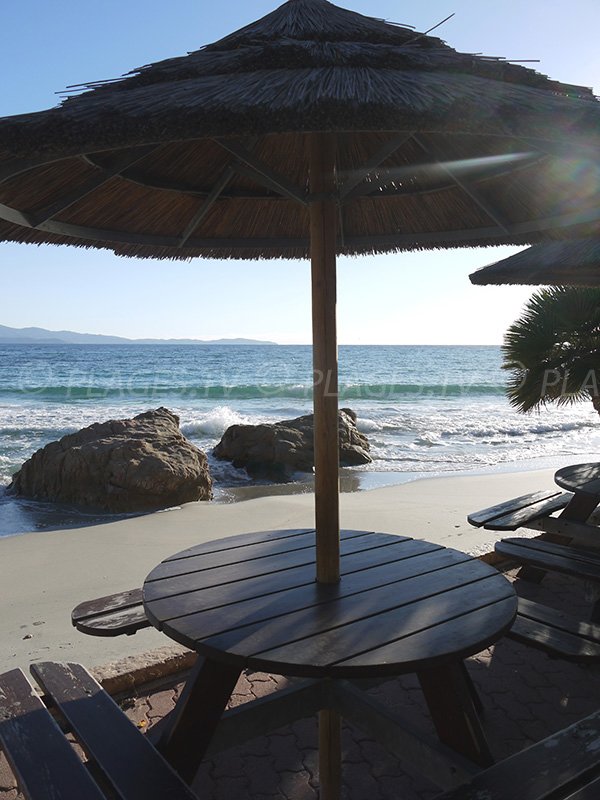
point(560, 263)
point(206, 154)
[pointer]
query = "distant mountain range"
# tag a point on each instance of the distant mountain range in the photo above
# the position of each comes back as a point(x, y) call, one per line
point(43, 336)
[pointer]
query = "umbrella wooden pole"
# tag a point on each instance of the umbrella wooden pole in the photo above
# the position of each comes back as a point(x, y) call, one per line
point(323, 223)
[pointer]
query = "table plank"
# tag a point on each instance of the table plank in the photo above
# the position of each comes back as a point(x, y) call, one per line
point(209, 596)
point(473, 628)
point(591, 488)
point(239, 540)
point(196, 562)
point(256, 537)
point(242, 571)
point(323, 653)
point(290, 615)
point(582, 478)
point(292, 597)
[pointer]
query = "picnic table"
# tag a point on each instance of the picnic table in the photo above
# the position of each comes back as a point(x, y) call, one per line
point(537, 510)
point(402, 606)
point(576, 552)
point(584, 481)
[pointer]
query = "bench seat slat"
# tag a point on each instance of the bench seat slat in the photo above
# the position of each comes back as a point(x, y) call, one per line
point(44, 763)
point(576, 553)
point(591, 791)
point(102, 605)
point(126, 757)
point(550, 556)
point(480, 518)
point(518, 518)
point(559, 619)
point(554, 640)
point(548, 769)
point(128, 622)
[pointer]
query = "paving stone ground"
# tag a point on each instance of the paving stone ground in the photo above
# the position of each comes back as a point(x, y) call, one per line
point(526, 696)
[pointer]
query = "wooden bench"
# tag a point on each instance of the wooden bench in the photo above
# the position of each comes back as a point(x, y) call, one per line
point(112, 615)
point(578, 562)
point(564, 766)
point(552, 557)
point(537, 625)
point(556, 633)
point(121, 761)
point(520, 511)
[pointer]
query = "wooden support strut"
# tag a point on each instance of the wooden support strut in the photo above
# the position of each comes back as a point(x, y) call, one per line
point(323, 225)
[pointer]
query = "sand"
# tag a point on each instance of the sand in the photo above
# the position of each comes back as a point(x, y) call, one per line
point(44, 575)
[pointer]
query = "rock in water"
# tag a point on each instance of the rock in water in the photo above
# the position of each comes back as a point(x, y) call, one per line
point(278, 450)
point(138, 464)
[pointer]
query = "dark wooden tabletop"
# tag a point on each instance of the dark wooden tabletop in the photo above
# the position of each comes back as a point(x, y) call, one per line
point(580, 478)
point(402, 604)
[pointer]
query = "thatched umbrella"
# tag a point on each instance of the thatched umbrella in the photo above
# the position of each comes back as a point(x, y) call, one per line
point(312, 132)
point(562, 263)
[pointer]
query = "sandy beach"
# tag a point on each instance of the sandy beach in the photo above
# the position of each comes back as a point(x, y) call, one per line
point(44, 575)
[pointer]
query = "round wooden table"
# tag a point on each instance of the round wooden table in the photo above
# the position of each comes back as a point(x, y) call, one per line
point(402, 606)
point(582, 478)
point(584, 481)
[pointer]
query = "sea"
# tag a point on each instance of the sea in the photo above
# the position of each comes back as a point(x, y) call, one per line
point(426, 410)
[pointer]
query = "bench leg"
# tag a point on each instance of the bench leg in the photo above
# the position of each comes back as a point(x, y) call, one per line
point(453, 713)
point(184, 735)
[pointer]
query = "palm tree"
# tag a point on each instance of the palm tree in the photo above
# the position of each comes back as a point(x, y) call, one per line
point(553, 349)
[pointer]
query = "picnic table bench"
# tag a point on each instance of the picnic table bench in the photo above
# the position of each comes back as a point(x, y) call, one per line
point(536, 624)
point(121, 761)
point(520, 512)
point(564, 766)
point(116, 614)
point(537, 510)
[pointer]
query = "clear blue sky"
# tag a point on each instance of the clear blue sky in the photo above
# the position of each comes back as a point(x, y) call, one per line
point(403, 299)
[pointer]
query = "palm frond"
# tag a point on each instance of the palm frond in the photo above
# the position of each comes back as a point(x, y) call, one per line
point(553, 349)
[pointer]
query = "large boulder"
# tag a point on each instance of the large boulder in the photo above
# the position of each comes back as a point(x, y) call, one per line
point(138, 464)
point(275, 451)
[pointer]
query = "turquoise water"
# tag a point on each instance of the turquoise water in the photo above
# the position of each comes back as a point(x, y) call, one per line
point(426, 410)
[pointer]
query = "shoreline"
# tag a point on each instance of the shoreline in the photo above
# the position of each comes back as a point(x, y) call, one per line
point(45, 576)
point(353, 479)
point(19, 516)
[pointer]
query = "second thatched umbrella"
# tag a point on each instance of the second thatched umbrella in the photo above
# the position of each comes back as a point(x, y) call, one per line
point(563, 263)
point(312, 132)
